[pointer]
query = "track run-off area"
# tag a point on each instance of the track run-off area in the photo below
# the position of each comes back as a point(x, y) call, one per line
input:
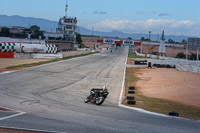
point(51, 98)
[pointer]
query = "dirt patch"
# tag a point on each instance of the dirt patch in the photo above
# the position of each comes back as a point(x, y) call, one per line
point(161, 102)
point(72, 53)
point(10, 62)
point(170, 84)
point(4, 62)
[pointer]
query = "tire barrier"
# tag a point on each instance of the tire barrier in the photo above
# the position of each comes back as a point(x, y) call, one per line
point(131, 92)
point(7, 50)
point(141, 62)
point(51, 49)
point(130, 97)
point(7, 47)
point(132, 88)
point(174, 114)
point(132, 102)
point(149, 65)
point(163, 66)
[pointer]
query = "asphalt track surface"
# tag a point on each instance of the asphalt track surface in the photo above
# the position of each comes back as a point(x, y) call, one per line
point(52, 98)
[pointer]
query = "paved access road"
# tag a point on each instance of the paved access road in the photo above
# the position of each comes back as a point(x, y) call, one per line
point(52, 97)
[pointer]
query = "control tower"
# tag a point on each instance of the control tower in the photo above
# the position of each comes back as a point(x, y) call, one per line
point(67, 26)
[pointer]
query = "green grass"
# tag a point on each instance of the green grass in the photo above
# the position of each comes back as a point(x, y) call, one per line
point(50, 61)
point(134, 56)
point(156, 104)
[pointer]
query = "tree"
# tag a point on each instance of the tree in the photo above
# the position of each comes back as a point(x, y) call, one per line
point(181, 55)
point(130, 38)
point(142, 38)
point(5, 30)
point(171, 41)
point(78, 39)
point(184, 41)
point(193, 56)
point(34, 28)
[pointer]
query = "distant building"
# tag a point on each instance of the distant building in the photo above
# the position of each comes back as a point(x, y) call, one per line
point(51, 35)
point(17, 29)
point(67, 26)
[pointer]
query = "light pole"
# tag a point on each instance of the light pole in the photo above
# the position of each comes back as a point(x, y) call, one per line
point(149, 35)
point(92, 33)
point(92, 36)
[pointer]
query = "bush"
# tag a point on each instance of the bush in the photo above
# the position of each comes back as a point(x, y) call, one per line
point(181, 55)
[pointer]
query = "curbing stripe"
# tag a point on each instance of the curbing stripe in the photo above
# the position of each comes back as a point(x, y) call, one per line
point(30, 130)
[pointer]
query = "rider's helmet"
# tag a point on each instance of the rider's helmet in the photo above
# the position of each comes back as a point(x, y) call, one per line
point(104, 88)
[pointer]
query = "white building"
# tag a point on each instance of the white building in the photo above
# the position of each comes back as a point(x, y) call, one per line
point(67, 26)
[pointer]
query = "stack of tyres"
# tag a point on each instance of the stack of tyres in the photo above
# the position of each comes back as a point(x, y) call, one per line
point(7, 50)
point(131, 99)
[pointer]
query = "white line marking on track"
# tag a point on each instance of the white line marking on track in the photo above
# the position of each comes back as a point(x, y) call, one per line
point(10, 116)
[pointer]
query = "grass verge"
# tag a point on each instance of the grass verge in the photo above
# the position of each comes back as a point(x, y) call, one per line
point(155, 104)
point(50, 61)
point(134, 56)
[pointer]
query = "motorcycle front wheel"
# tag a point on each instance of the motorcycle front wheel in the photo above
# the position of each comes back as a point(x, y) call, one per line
point(100, 100)
point(86, 100)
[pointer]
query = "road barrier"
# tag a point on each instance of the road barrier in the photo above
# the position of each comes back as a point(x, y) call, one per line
point(6, 54)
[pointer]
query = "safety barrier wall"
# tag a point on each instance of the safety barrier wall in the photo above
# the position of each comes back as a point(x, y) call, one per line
point(22, 50)
point(188, 68)
point(6, 54)
point(7, 50)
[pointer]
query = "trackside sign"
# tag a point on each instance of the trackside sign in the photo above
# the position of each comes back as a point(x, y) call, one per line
point(109, 41)
point(128, 42)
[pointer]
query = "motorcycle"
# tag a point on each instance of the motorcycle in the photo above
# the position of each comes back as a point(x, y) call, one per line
point(98, 97)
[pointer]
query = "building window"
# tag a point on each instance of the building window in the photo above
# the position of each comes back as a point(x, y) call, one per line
point(69, 27)
point(68, 20)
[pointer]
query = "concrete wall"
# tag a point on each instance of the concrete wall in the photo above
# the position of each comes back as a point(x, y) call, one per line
point(188, 68)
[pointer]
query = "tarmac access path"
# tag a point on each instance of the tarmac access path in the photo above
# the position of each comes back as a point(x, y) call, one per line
point(50, 98)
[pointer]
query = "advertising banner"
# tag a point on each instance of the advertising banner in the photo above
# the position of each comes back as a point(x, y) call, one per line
point(108, 41)
point(128, 42)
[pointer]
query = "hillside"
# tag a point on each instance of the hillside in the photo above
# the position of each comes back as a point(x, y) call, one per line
point(49, 26)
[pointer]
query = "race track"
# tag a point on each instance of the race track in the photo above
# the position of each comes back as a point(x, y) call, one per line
point(50, 97)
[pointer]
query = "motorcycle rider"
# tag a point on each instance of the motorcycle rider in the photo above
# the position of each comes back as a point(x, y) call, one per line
point(95, 91)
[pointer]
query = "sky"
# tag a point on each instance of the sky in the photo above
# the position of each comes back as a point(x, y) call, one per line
point(176, 17)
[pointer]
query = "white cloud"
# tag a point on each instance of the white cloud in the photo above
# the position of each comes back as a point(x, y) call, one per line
point(164, 14)
point(173, 27)
point(99, 12)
